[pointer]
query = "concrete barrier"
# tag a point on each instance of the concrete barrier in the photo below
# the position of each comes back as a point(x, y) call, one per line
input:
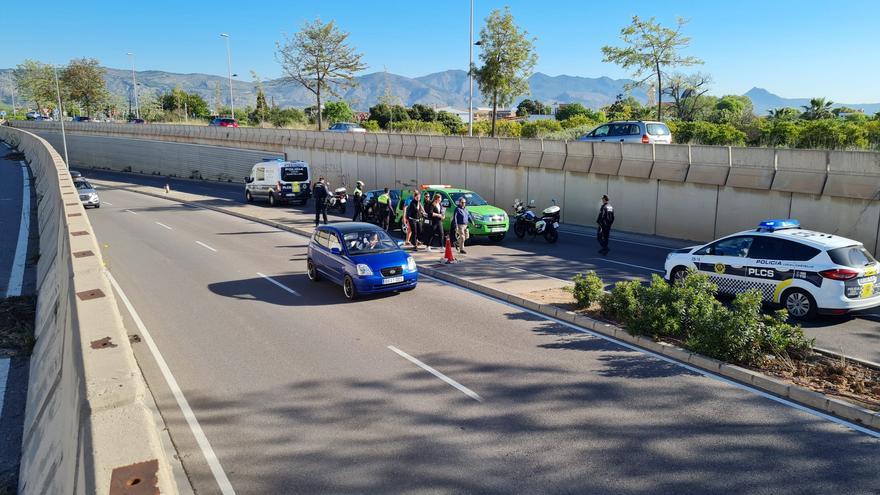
point(531, 152)
point(709, 165)
point(800, 171)
point(671, 162)
point(752, 168)
point(606, 158)
point(86, 414)
point(579, 156)
point(853, 174)
point(637, 160)
point(553, 155)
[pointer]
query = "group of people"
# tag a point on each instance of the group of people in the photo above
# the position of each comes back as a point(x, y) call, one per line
point(424, 220)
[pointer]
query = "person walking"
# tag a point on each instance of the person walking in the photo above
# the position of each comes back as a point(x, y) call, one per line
point(605, 219)
point(320, 195)
point(383, 201)
point(358, 195)
point(436, 214)
point(414, 214)
point(460, 220)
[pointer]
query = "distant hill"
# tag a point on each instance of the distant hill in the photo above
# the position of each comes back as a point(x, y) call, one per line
point(764, 101)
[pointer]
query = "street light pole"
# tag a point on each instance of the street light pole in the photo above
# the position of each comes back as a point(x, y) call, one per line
point(471, 75)
point(134, 84)
point(61, 116)
point(229, 71)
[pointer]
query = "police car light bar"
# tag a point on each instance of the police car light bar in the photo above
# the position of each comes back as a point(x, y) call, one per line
point(273, 159)
point(779, 224)
point(435, 186)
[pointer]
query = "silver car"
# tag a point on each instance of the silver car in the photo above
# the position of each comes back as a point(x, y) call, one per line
point(346, 127)
point(645, 132)
point(87, 194)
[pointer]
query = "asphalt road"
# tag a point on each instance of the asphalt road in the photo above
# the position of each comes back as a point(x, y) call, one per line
point(632, 257)
point(299, 391)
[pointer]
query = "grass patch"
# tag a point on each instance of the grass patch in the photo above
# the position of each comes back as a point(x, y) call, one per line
point(17, 316)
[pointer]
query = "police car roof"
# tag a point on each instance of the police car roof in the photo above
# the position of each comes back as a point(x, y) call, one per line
point(346, 227)
point(812, 238)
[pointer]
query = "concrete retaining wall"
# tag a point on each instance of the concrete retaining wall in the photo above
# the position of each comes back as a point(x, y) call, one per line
point(85, 414)
point(693, 192)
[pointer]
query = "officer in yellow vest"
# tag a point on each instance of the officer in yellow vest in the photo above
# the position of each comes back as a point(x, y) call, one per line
point(358, 201)
point(384, 205)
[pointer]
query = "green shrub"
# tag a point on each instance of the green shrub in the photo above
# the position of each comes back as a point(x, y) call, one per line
point(503, 128)
point(538, 128)
point(570, 134)
point(419, 127)
point(701, 132)
point(588, 288)
point(371, 125)
point(621, 301)
point(579, 120)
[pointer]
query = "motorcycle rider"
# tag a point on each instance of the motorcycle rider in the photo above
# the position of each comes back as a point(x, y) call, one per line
point(358, 201)
point(605, 219)
point(320, 195)
point(384, 203)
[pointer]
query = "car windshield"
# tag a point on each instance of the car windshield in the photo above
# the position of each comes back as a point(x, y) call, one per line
point(294, 174)
point(81, 184)
point(852, 256)
point(472, 198)
point(369, 241)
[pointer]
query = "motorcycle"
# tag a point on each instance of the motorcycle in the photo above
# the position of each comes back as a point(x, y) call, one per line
point(527, 222)
point(336, 201)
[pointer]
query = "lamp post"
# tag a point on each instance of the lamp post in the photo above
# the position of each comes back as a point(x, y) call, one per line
point(137, 109)
point(229, 71)
point(471, 75)
point(61, 116)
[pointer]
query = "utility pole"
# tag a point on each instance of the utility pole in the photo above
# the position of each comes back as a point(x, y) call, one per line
point(61, 116)
point(471, 75)
point(134, 85)
point(229, 71)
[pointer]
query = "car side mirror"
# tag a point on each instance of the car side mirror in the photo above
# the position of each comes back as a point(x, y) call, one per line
point(336, 251)
point(248, 180)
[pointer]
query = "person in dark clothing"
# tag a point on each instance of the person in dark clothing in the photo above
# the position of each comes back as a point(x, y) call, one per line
point(436, 213)
point(320, 195)
point(605, 219)
point(383, 202)
point(414, 214)
point(460, 220)
point(358, 195)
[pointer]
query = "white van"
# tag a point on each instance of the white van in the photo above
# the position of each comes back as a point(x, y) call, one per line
point(279, 181)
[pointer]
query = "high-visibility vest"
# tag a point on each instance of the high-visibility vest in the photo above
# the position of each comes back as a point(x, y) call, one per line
point(383, 199)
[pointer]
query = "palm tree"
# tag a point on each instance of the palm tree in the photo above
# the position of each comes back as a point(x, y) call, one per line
point(785, 113)
point(818, 108)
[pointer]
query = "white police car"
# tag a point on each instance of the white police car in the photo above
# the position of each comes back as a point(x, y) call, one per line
point(806, 272)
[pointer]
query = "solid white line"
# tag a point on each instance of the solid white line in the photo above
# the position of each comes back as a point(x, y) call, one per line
point(132, 212)
point(279, 284)
point(629, 264)
point(201, 439)
point(581, 234)
point(461, 388)
point(16, 276)
point(4, 376)
point(661, 357)
point(108, 203)
point(163, 225)
point(526, 271)
point(200, 243)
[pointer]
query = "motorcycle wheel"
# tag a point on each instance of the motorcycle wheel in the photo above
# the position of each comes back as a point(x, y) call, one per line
point(551, 235)
point(519, 229)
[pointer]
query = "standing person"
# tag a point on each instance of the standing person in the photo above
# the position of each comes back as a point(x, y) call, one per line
point(383, 201)
point(605, 219)
point(320, 194)
point(460, 220)
point(436, 214)
point(358, 201)
point(414, 213)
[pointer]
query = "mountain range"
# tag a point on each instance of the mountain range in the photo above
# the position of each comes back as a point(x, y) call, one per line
point(440, 89)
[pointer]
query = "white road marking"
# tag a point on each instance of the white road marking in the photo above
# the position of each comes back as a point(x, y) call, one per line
point(279, 284)
point(581, 234)
point(461, 388)
point(132, 212)
point(200, 243)
point(194, 426)
point(108, 203)
point(19, 261)
point(629, 264)
point(4, 376)
point(661, 357)
point(163, 225)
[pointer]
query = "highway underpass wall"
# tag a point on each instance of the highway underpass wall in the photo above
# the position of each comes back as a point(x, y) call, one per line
point(680, 191)
point(85, 413)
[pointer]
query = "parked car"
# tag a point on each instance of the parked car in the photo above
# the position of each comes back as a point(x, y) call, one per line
point(346, 127)
point(646, 132)
point(87, 194)
point(278, 181)
point(75, 175)
point(362, 258)
point(223, 122)
point(137, 121)
point(371, 211)
point(487, 220)
point(32, 115)
point(82, 118)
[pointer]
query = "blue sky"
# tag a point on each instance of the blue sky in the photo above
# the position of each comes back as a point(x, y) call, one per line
point(792, 48)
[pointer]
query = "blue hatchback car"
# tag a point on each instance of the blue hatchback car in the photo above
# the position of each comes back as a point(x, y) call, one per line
point(362, 258)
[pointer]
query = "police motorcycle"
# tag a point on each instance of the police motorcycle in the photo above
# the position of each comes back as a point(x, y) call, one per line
point(527, 222)
point(336, 201)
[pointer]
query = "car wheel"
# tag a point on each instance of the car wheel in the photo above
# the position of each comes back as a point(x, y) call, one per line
point(314, 276)
point(799, 304)
point(496, 237)
point(678, 274)
point(98, 205)
point(519, 229)
point(551, 235)
point(248, 197)
point(349, 289)
point(403, 227)
point(271, 199)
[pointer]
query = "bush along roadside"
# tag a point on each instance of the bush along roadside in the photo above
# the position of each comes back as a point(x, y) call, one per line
point(688, 314)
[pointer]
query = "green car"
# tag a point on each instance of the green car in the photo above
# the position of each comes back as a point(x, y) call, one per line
point(488, 220)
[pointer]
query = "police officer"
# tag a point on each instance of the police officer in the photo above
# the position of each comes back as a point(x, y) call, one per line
point(358, 202)
point(383, 204)
point(605, 219)
point(320, 195)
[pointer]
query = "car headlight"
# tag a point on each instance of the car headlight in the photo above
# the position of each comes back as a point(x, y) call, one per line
point(478, 217)
point(410, 264)
point(364, 270)
point(93, 196)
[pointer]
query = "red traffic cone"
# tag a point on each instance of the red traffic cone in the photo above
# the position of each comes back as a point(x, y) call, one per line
point(448, 256)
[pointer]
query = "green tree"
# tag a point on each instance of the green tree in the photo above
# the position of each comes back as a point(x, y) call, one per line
point(320, 58)
point(422, 112)
point(819, 108)
point(337, 111)
point(452, 122)
point(650, 49)
point(531, 107)
point(735, 110)
point(197, 106)
point(540, 128)
point(35, 82)
point(384, 113)
point(626, 108)
point(261, 109)
point(508, 58)
point(83, 80)
point(784, 113)
point(573, 109)
point(688, 93)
